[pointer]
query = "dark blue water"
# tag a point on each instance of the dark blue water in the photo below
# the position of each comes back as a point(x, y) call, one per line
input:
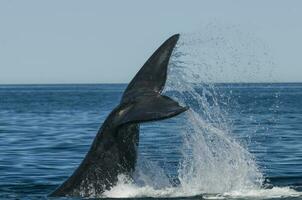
point(45, 131)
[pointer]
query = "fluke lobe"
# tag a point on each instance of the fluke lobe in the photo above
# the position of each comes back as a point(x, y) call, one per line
point(114, 149)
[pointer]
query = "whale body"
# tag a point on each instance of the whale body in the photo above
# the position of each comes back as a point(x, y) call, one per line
point(114, 149)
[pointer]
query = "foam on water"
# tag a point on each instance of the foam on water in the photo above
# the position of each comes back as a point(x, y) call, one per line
point(275, 192)
point(213, 163)
point(126, 189)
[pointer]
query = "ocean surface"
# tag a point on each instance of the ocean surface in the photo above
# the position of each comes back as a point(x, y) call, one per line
point(46, 130)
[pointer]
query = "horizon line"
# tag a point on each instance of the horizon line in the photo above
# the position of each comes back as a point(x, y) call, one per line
point(108, 83)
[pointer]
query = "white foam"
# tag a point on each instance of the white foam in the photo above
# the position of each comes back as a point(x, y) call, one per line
point(275, 192)
point(128, 189)
point(131, 190)
point(134, 191)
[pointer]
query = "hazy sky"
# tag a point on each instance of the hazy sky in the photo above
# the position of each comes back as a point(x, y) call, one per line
point(68, 41)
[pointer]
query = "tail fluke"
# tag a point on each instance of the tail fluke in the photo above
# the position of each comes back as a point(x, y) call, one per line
point(152, 76)
point(142, 101)
point(153, 108)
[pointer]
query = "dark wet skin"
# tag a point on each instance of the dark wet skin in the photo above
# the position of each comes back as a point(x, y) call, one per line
point(114, 149)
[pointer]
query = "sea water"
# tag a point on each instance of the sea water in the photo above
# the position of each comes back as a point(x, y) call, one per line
point(46, 130)
point(237, 140)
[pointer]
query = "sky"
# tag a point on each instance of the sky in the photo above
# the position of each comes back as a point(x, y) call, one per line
point(70, 41)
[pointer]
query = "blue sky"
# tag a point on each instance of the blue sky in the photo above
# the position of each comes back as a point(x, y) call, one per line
point(68, 41)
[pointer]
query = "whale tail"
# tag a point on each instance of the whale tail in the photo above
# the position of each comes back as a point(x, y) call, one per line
point(142, 97)
point(114, 149)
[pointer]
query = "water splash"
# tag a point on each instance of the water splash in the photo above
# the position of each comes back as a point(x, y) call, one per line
point(216, 163)
point(213, 162)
